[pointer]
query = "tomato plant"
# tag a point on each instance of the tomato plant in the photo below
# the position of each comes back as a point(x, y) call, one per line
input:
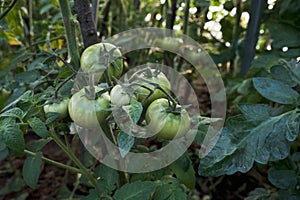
point(100, 57)
point(87, 109)
point(164, 121)
point(257, 154)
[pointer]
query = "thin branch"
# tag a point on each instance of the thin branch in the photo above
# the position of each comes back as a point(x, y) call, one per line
point(11, 5)
point(70, 33)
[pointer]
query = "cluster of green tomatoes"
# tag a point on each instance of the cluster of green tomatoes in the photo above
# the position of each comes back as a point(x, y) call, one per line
point(92, 105)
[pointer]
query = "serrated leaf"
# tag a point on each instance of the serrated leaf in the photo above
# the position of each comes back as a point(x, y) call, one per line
point(11, 135)
point(283, 179)
point(276, 91)
point(134, 110)
point(31, 170)
point(38, 127)
point(14, 112)
point(108, 178)
point(125, 143)
point(237, 149)
point(135, 190)
point(169, 189)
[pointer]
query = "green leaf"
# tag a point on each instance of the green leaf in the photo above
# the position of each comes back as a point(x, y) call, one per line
point(37, 145)
point(169, 189)
point(184, 171)
point(11, 135)
point(280, 37)
point(256, 112)
point(38, 127)
point(15, 184)
point(108, 178)
point(135, 190)
point(14, 100)
point(293, 126)
point(248, 141)
point(93, 194)
point(282, 74)
point(125, 143)
point(134, 110)
point(3, 151)
point(51, 117)
point(64, 72)
point(276, 91)
point(283, 179)
point(14, 112)
point(258, 194)
point(31, 170)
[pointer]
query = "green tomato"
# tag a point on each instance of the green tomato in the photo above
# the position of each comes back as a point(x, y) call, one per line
point(167, 125)
point(92, 60)
point(159, 79)
point(118, 96)
point(59, 107)
point(89, 113)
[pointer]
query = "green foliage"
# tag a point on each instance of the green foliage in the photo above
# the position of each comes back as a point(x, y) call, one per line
point(136, 190)
point(263, 121)
point(31, 170)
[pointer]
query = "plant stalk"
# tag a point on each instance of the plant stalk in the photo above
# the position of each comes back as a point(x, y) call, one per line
point(70, 33)
point(70, 168)
point(73, 157)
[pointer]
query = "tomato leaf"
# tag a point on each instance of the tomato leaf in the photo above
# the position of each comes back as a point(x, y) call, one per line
point(31, 170)
point(3, 151)
point(184, 171)
point(125, 143)
point(283, 179)
point(135, 190)
point(11, 135)
point(280, 73)
point(256, 112)
point(51, 116)
point(276, 91)
point(108, 179)
point(240, 144)
point(38, 127)
point(258, 193)
point(134, 110)
point(14, 112)
point(169, 189)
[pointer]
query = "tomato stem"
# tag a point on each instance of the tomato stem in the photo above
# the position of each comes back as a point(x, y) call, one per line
point(73, 169)
point(172, 101)
point(72, 156)
point(62, 84)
